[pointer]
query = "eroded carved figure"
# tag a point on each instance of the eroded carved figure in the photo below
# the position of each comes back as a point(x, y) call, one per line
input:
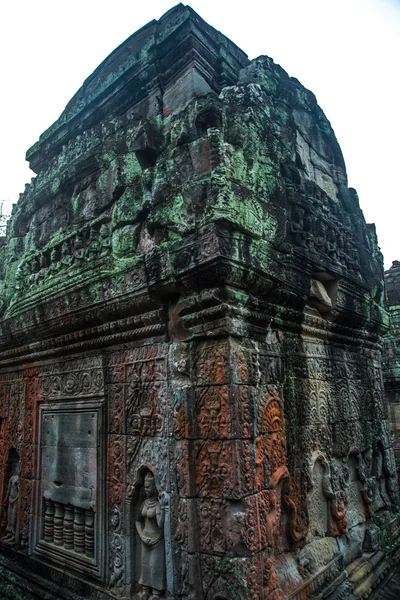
point(150, 527)
point(12, 509)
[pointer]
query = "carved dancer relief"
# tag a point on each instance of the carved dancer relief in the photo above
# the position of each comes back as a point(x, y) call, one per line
point(328, 482)
point(384, 473)
point(12, 509)
point(12, 495)
point(271, 441)
point(363, 474)
point(328, 498)
point(271, 447)
point(150, 528)
point(337, 501)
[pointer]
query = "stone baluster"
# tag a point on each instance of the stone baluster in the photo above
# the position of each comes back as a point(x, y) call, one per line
point(89, 532)
point(58, 524)
point(79, 530)
point(69, 527)
point(49, 521)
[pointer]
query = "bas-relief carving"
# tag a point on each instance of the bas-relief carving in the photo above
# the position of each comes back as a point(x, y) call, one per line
point(319, 507)
point(328, 500)
point(10, 504)
point(149, 507)
point(221, 224)
point(12, 508)
point(150, 526)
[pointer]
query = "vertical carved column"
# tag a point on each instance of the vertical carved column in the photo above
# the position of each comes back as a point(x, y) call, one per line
point(116, 470)
point(79, 530)
point(49, 521)
point(89, 532)
point(58, 524)
point(69, 527)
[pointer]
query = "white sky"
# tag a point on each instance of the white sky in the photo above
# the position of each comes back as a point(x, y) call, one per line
point(346, 51)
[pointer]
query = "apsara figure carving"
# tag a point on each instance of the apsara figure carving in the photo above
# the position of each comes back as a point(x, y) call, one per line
point(150, 527)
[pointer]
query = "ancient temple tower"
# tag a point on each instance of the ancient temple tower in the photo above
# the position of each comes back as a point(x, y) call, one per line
point(191, 396)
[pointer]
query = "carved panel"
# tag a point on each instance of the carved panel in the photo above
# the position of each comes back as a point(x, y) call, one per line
point(70, 486)
point(78, 378)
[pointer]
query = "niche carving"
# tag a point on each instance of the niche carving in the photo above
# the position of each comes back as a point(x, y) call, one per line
point(149, 507)
point(10, 503)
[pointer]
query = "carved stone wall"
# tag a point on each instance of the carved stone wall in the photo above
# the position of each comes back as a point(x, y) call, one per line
point(391, 363)
point(191, 393)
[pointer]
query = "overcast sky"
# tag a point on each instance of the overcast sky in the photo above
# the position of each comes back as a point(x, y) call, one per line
point(346, 51)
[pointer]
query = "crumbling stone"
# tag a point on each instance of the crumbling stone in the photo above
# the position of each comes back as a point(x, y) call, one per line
point(191, 395)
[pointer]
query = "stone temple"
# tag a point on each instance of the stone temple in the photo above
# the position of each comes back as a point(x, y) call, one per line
point(191, 391)
point(391, 356)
